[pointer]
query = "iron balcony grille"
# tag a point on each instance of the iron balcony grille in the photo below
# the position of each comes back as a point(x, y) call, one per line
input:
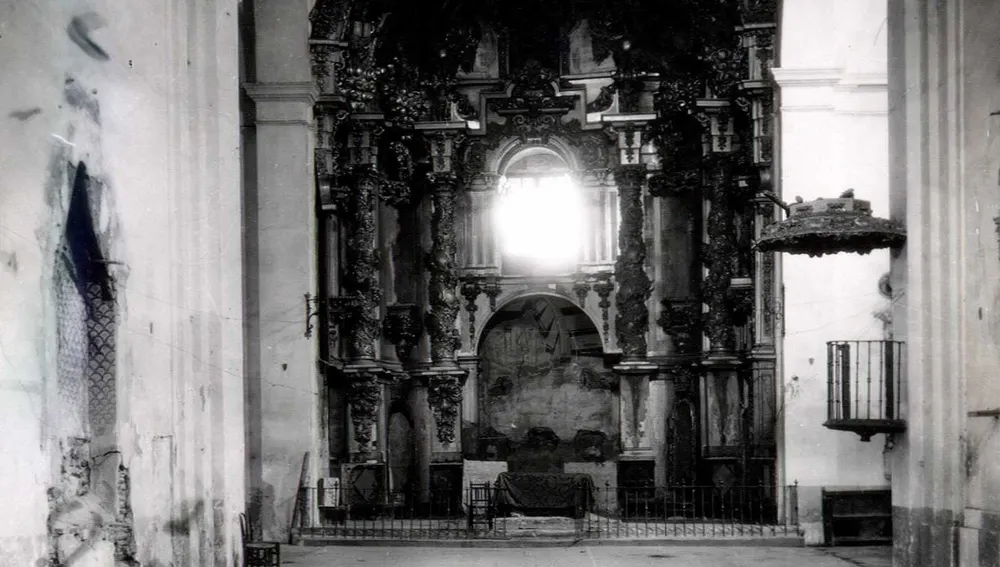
point(864, 387)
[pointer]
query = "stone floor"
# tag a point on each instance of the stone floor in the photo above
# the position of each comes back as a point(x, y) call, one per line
point(587, 556)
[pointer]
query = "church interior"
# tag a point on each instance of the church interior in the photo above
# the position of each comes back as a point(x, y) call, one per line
point(537, 246)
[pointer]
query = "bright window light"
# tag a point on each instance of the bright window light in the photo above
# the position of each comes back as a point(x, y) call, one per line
point(540, 219)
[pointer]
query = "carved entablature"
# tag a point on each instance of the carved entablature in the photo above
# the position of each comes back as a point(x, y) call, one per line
point(533, 108)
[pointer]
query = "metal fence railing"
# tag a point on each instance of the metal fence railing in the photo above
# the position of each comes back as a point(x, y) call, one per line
point(607, 512)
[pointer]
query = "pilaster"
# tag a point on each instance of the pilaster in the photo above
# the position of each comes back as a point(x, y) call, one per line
point(283, 389)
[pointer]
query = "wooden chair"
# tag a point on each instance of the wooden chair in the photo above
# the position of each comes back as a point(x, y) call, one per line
point(480, 506)
point(258, 553)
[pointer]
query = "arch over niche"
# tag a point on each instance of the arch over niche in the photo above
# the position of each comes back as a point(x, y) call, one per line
point(484, 323)
point(514, 149)
point(545, 394)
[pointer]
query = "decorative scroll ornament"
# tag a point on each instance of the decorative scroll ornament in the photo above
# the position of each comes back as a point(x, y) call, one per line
point(443, 277)
point(675, 183)
point(581, 288)
point(533, 92)
point(492, 289)
point(634, 286)
point(470, 291)
point(593, 146)
point(680, 319)
point(340, 312)
point(677, 95)
point(758, 11)
point(533, 110)
point(829, 226)
point(603, 287)
point(402, 328)
point(728, 68)
point(444, 393)
point(364, 395)
point(604, 100)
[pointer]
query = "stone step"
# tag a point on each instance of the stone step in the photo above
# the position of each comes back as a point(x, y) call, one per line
point(538, 526)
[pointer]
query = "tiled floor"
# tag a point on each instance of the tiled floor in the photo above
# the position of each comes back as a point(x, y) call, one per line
point(587, 556)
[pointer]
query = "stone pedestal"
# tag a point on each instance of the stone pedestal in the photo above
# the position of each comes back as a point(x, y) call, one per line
point(366, 411)
point(661, 394)
point(637, 409)
point(420, 411)
point(722, 426)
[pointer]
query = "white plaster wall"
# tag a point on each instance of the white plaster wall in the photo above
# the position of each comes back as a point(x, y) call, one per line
point(284, 403)
point(834, 127)
point(167, 145)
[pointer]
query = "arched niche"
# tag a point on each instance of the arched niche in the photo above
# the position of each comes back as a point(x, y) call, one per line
point(546, 396)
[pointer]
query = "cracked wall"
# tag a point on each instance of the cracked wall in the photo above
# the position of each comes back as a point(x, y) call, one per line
point(129, 384)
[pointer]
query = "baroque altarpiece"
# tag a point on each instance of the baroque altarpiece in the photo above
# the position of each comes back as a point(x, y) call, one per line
point(646, 357)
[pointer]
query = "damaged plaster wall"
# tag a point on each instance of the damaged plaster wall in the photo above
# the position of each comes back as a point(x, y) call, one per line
point(146, 97)
point(834, 129)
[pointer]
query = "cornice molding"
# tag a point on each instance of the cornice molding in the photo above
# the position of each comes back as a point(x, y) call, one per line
point(863, 81)
point(792, 77)
point(306, 92)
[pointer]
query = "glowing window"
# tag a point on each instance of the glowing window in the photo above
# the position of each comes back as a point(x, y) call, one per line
point(540, 213)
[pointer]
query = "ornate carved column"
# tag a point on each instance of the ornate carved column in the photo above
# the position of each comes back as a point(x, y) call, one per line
point(365, 381)
point(719, 259)
point(361, 273)
point(633, 289)
point(722, 397)
point(442, 291)
point(632, 318)
point(442, 383)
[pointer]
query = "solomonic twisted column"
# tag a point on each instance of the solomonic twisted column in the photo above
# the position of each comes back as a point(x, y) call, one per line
point(442, 292)
point(363, 293)
point(634, 286)
point(445, 378)
point(444, 392)
point(360, 277)
point(719, 257)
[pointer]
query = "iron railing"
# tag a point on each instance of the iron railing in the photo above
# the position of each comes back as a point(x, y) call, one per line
point(863, 386)
point(677, 511)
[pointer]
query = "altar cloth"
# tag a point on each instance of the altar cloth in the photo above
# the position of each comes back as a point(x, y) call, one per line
point(544, 494)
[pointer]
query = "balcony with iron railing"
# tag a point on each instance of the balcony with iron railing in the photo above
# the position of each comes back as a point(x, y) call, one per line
point(863, 387)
